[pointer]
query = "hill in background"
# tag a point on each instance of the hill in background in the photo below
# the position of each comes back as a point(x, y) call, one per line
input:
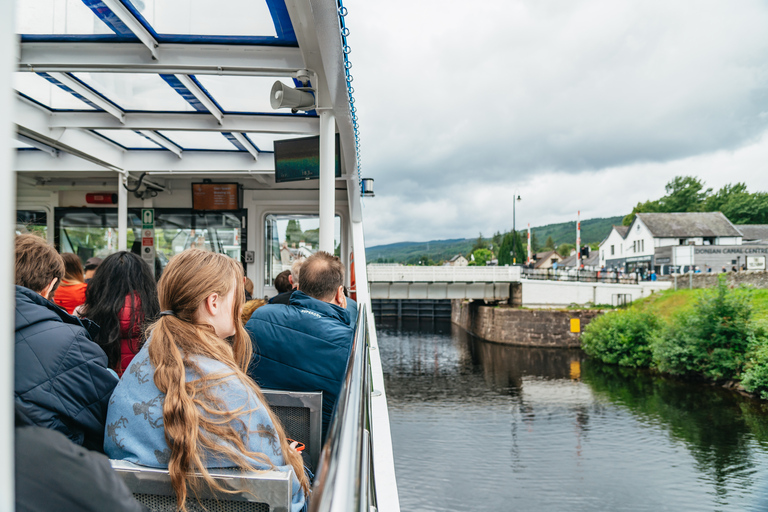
point(593, 231)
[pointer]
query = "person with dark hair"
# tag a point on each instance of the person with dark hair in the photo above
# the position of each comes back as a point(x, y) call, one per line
point(61, 379)
point(284, 297)
point(71, 293)
point(122, 300)
point(305, 345)
point(91, 264)
point(283, 282)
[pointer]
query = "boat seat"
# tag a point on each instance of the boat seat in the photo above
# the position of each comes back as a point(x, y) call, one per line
point(301, 414)
point(257, 491)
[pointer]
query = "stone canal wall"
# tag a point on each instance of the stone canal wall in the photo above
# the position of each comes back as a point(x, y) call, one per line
point(526, 327)
point(758, 279)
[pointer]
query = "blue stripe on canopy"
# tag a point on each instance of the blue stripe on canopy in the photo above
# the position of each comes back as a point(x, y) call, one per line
point(109, 18)
point(65, 88)
point(281, 19)
point(231, 138)
point(184, 92)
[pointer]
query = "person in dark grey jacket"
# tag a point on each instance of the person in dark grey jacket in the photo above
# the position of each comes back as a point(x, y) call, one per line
point(61, 380)
point(53, 473)
point(305, 345)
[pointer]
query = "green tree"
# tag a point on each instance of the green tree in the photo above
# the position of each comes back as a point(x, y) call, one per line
point(517, 241)
point(549, 244)
point(293, 232)
point(739, 205)
point(564, 250)
point(684, 194)
point(480, 243)
point(505, 250)
point(481, 257)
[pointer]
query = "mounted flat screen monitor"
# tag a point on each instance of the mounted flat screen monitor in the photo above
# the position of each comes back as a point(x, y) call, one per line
point(215, 196)
point(299, 159)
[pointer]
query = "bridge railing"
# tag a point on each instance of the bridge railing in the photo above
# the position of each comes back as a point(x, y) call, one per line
point(580, 276)
point(444, 274)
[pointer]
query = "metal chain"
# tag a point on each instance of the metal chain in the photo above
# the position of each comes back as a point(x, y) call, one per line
point(350, 90)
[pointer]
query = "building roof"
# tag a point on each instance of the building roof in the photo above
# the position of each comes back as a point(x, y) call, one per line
point(591, 261)
point(622, 230)
point(753, 232)
point(688, 224)
point(456, 257)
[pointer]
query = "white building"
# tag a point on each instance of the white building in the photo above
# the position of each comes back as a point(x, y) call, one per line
point(662, 240)
point(457, 261)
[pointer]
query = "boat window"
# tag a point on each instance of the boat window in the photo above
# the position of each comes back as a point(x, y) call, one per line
point(241, 93)
point(136, 91)
point(93, 232)
point(288, 237)
point(129, 139)
point(31, 221)
point(199, 140)
point(203, 17)
point(266, 142)
point(58, 17)
point(42, 91)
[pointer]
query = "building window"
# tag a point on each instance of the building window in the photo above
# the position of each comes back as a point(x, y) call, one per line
point(612, 250)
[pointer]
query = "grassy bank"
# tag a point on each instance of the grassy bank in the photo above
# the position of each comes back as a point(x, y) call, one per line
point(719, 334)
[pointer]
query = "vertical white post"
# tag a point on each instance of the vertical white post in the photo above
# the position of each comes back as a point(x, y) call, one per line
point(122, 213)
point(327, 179)
point(578, 240)
point(530, 250)
point(8, 53)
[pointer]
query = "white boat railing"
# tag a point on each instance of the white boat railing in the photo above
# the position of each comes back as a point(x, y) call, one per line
point(344, 480)
point(444, 274)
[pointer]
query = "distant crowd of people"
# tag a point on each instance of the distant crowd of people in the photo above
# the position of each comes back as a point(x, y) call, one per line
point(167, 374)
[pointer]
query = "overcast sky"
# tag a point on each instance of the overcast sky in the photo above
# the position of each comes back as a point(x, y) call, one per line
point(588, 105)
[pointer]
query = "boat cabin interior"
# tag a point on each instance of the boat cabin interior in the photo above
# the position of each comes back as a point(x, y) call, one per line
point(228, 126)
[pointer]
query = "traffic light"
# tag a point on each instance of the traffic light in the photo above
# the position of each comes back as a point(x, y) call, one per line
point(585, 252)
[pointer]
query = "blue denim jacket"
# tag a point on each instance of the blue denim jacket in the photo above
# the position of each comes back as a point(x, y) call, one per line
point(135, 432)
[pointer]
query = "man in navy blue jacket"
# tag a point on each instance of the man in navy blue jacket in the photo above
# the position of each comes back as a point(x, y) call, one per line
point(305, 345)
point(61, 377)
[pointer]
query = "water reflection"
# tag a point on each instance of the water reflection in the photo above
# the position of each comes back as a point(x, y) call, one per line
point(484, 426)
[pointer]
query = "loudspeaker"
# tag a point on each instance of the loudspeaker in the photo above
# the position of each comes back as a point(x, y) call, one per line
point(283, 96)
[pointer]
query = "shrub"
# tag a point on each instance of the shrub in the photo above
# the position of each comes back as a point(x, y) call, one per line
point(621, 337)
point(755, 377)
point(711, 340)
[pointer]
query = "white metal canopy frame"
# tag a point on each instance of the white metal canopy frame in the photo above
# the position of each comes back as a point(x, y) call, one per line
point(181, 87)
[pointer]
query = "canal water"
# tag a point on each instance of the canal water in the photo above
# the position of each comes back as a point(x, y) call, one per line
point(482, 426)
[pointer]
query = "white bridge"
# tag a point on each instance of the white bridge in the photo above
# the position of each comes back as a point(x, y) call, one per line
point(400, 282)
point(497, 284)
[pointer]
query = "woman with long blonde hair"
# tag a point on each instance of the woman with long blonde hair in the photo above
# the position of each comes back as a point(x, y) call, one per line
point(185, 402)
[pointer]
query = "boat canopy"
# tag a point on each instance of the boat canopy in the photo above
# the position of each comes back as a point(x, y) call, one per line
point(178, 86)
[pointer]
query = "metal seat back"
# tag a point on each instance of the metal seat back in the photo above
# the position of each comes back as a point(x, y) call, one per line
point(258, 491)
point(301, 414)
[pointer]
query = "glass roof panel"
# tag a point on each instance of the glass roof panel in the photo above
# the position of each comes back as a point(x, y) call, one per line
point(129, 139)
point(240, 93)
point(199, 140)
point(136, 91)
point(43, 91)
point(266, 141)
point(58, 17)
point(204, 17)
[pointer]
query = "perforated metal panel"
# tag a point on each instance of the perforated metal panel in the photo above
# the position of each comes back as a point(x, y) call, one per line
point(300, 412)
point(158, 503)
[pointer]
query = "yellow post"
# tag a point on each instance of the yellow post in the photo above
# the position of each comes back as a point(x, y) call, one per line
point(575, 325)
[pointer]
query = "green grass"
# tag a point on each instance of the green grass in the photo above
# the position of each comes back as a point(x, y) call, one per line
point(667, 303)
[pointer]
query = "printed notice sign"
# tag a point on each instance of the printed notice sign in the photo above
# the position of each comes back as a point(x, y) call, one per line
point(215, 196)
point(755, 262)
